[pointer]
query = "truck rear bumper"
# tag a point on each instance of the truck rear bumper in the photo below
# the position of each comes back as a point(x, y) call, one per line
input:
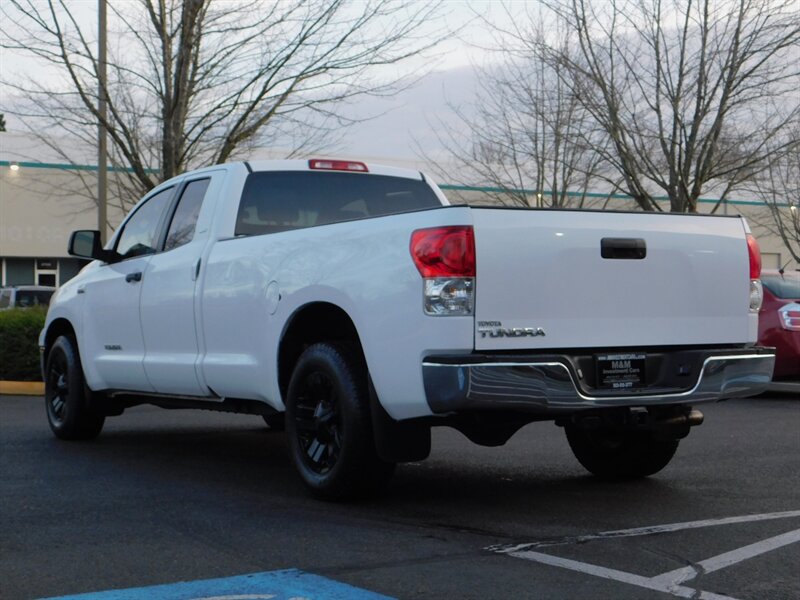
point(550, 384)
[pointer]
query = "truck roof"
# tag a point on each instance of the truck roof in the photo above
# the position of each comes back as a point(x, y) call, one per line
point(336, 165)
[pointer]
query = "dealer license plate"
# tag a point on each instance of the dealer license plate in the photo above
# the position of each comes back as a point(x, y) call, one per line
point(620, 371)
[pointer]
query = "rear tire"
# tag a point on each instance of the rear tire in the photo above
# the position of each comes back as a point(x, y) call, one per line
point(328, 424)
point(619, 455)
point(68, 400)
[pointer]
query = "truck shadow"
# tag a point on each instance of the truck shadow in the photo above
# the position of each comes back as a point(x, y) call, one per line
point(460, 486)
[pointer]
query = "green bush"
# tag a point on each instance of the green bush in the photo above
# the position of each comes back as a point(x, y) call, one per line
point(19, 344)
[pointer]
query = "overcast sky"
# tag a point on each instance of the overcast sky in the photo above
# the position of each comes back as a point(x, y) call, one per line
point(411, 118)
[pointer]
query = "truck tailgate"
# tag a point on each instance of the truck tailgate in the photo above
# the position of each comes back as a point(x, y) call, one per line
point(542, 280)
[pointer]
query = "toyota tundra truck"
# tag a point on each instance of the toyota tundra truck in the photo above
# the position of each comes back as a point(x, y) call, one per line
point(352, 305)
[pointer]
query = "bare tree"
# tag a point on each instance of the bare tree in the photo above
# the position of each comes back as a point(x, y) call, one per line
point(197, 82)
point(526, 135)
point(778, 186)
point(2, 122)
point(692, 94)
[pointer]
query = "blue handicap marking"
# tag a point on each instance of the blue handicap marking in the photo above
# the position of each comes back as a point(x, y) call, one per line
point(289, 584)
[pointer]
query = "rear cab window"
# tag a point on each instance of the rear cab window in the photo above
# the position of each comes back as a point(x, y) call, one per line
point(274, 201)
point(184, 219)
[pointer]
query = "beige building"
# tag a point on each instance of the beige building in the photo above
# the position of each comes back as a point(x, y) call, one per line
point(35, 224)
point(42, 200)
point(41, 203)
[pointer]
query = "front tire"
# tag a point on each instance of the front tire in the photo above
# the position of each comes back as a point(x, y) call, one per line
point(67, 398)
point(328, 424)
point(618, 455)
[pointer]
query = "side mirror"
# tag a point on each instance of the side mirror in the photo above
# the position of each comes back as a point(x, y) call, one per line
point(86, 244)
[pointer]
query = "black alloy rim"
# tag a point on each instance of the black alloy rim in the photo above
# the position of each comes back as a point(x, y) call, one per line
point(58, 386)
point(318, 421)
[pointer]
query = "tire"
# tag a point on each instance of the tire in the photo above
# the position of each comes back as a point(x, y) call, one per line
point(68, 400)
point(275, 421)
point(328, 424)
point(619, 455)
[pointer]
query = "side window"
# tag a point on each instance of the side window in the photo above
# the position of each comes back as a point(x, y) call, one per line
point(181, 229)
point(140, 235)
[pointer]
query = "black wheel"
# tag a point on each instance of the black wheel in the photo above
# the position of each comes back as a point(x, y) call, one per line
point(67, 399)
point(328, 424)
point(620, 454)
point(275, 421)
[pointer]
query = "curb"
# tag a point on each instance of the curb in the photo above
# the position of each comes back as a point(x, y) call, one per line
point(21, 388)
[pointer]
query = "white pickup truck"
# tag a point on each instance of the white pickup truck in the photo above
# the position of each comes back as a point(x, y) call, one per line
point(354, 305)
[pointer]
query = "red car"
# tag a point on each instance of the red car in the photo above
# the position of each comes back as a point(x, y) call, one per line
point(779, 323)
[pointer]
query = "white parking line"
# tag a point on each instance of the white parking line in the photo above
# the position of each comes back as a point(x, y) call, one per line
point(715, 563)
point(671, 581)
point(639, 531)
point(649, 583)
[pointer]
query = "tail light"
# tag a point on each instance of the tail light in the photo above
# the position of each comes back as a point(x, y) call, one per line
point(755, 256)
point(790, 316)
point(756, 291)
point(445, 257)
point(444, 251)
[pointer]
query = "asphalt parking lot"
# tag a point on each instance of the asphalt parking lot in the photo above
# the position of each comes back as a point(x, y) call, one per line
point(178, 496)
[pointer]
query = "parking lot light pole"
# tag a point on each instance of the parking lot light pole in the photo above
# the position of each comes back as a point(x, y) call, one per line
point(102, 174)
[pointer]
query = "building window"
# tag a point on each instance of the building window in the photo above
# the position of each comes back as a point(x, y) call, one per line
point(46, 272)
point(46, 279)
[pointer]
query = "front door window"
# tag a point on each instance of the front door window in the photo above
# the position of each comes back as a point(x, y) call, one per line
point(140, 234)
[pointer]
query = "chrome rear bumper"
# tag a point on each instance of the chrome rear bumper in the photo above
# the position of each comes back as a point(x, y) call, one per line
point(551, 386)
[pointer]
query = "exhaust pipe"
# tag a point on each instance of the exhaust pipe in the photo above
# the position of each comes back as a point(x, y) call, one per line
point(693, 418)
point(677, 426)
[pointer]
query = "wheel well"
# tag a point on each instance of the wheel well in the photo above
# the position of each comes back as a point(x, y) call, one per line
point(57, 327)
point(313, 323)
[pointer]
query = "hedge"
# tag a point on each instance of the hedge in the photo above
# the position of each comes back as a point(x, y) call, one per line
point(19, 343)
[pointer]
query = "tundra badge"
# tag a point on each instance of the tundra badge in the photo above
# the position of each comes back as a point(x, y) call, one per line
point(495, 329)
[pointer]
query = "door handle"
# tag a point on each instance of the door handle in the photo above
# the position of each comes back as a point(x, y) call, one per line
point(196, 269)
point(131, 277)
point(623, 248)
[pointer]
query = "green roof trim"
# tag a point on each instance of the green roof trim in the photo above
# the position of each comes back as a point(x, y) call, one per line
point(67, 167)
point(474, 188)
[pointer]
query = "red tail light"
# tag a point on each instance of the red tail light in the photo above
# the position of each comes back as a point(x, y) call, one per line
point(755, 257)
point(337, 165)
point(444, 251)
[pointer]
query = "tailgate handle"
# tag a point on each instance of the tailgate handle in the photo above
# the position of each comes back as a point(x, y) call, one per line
point(623, 248)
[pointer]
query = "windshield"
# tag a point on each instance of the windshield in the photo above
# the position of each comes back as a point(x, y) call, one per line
point(787, 286)
point(26, 298)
